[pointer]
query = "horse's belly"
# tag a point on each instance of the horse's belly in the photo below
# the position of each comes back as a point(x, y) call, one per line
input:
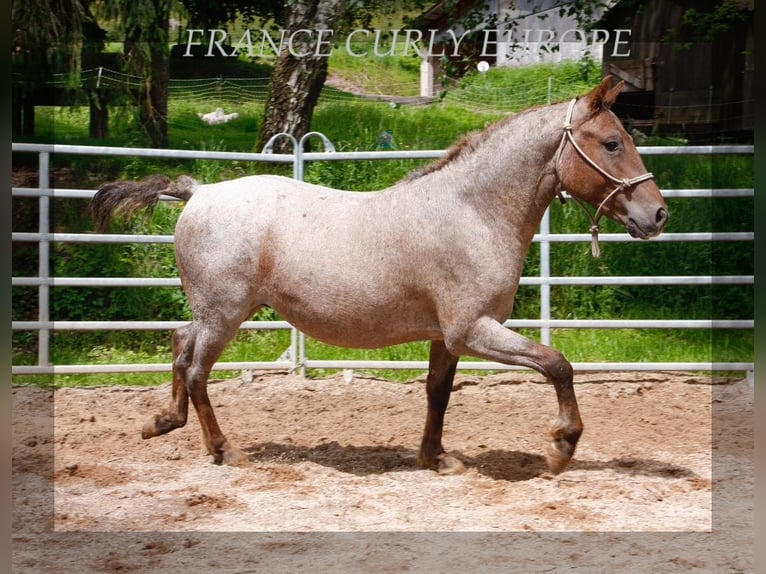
point(348, 322)
point(358, 337)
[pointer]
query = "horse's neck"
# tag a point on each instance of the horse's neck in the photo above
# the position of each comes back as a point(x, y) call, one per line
point(510, 173)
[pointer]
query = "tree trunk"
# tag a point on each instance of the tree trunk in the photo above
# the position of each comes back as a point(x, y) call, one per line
point(299, 73)
point(99, 116)
point(147, 56)
point(154, 107)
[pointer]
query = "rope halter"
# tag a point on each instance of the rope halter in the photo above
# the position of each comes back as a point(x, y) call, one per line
point(622, 184)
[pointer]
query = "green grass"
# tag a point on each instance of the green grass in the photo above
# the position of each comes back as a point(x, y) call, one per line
point(377, 75)
point(355, 124)
point(579, 346)
point(516, 89)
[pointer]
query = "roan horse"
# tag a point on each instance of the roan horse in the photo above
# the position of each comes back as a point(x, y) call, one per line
point(436, 257)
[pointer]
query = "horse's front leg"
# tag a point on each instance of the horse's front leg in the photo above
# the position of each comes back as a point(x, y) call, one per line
point(441, 373)
point(488, 339)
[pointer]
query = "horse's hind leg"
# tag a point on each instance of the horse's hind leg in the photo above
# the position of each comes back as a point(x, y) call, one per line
point(175, 415)
point(441, 373)
point(194, 353)
point(209, 344)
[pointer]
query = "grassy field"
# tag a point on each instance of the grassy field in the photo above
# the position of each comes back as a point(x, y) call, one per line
point(356, 124)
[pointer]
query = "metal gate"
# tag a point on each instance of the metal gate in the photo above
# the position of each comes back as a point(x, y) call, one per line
point(296, 358)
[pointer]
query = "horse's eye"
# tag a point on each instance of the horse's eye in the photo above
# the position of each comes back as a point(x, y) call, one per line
point(611, 145)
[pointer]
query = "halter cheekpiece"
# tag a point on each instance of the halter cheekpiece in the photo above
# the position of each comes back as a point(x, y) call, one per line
point(622, 184)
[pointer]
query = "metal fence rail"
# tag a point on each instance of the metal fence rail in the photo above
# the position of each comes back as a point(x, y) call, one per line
point(295, 358)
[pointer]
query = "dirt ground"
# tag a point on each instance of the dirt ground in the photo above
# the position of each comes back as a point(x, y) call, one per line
point(662, 480)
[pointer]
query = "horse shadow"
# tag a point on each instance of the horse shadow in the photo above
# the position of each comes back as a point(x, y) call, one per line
point(497, 464)
point(349, 459)
point(513, 466)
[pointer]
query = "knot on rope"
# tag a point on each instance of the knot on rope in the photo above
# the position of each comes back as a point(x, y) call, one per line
point(594, 248)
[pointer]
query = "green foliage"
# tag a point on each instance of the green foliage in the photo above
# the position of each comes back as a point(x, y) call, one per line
point(360, 125)
point(368, 126)
point(711, 22)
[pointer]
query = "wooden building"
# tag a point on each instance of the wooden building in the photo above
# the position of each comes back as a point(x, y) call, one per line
point(679, 82)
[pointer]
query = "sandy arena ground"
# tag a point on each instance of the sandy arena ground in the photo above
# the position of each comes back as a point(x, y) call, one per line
point(662, 480)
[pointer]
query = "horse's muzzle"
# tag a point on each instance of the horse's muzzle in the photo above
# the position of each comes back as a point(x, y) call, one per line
point(646, 230)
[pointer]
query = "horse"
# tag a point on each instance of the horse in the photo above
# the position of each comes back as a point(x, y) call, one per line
point(435, 257)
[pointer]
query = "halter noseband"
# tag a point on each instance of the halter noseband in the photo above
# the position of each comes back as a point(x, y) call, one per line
point(622, 184)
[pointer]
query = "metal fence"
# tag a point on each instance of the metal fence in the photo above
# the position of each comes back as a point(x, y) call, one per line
point(295, 358)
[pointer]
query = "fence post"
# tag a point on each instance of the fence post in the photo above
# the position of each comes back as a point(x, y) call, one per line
point(43, 294)
point(545, 275)
point(328, 147)
point(269, 148)
point(298, 174)
point(298, 338)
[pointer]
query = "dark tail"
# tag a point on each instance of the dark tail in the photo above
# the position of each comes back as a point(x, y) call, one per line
point(123, 198)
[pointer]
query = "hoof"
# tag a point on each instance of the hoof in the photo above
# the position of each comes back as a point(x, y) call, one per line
point(561, 449)
point(152, 427)
point(158, 425)
point(147, 431)
point(556, 459)
point(448, 464)
point(232, 456)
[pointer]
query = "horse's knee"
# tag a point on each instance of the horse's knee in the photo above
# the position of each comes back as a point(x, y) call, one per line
point(557, 367)
point(180, 337)
point(195, 381)
point(182, 344)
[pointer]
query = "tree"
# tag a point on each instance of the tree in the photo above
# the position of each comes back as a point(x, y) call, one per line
point(300, 72)
point(50, 37)
point(145, 25)
point(55, 36)
point(209, 14)
point(710, 21)
point(301, 68)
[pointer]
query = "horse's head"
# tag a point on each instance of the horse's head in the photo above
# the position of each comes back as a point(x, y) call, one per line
point(598, 163)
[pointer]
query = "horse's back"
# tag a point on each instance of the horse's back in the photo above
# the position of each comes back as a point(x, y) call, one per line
point(243, 191)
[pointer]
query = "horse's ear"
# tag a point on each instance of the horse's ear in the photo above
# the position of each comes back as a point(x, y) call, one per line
point(602, 97)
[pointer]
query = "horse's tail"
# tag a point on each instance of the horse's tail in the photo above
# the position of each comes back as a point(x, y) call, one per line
point(123, 198)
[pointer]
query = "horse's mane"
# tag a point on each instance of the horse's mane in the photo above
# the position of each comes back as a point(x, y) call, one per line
point(463, 147)
point(466, 145)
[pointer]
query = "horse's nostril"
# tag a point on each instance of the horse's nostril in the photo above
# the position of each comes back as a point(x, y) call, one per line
point(662, 216)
